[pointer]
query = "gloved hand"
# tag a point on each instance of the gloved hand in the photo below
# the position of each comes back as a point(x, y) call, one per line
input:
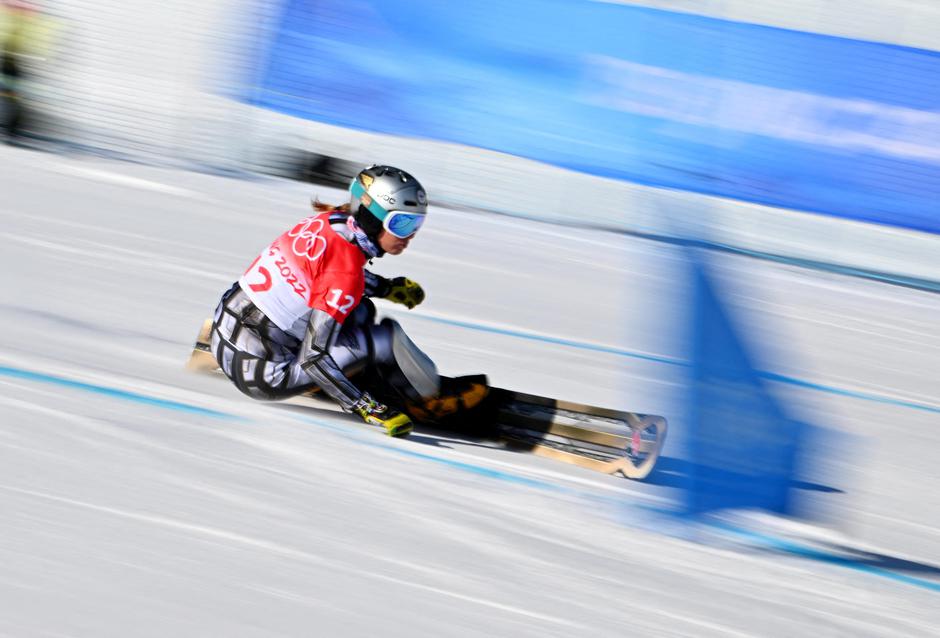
point(405, 291)
point(374, 413)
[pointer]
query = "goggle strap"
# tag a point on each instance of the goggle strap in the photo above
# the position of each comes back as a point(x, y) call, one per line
point(358, 190)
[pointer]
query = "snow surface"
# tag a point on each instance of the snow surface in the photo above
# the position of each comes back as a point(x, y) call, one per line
point(140, 500)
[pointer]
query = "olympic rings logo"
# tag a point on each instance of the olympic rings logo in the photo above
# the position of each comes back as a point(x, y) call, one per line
point(307, 240)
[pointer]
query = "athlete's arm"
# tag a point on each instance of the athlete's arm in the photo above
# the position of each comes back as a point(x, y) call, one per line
point(376, 285)
point(315, 359)
point(399, 290)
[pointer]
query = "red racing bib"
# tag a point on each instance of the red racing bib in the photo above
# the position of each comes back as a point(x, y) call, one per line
point(309, 266)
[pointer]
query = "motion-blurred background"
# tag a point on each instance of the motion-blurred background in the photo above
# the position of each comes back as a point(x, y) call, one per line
point(807, 106)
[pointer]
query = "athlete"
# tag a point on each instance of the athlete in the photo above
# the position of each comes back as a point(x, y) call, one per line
point(300, 318)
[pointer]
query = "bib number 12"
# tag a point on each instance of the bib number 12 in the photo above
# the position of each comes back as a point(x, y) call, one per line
point(336, 299)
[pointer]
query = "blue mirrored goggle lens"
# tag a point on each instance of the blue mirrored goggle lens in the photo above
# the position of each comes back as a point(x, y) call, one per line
point(403, 224)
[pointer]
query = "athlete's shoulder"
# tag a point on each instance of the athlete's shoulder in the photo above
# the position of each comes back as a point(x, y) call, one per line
point(310, 237)
point(345, 254)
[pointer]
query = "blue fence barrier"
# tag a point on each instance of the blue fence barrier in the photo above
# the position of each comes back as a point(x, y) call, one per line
point(779, 117)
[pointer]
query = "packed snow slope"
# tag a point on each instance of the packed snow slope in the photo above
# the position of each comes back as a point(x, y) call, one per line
point(140, 500)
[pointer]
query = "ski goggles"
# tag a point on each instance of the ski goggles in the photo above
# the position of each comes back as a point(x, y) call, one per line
point(400, 223)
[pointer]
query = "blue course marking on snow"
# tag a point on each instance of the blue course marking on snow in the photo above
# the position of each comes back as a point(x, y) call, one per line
point(776, 543)
point(917, 283)
point(812, 553)
point(582, 345)
point(782, 545)
point(480, 470)
point(354, 434)
point(770, 376)
point(773, 542)
point(112, 392)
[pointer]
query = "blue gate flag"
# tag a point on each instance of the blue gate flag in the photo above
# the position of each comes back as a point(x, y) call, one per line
point(743, 449)
point(779, 117)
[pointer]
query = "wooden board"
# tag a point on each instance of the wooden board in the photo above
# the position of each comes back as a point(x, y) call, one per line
point(201, 359)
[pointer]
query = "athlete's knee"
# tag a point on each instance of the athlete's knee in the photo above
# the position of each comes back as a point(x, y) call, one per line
point(402, 363)
point(260, 390)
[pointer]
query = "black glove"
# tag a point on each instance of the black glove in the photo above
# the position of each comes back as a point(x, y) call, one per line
point(404, 291)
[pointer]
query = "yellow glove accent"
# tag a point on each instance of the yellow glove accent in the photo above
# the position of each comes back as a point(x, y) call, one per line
point(405, 292)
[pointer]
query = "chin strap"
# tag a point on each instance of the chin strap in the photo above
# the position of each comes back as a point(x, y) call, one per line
point(365, 244)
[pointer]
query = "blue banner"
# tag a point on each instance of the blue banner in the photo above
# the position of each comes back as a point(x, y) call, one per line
point(779, 117)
